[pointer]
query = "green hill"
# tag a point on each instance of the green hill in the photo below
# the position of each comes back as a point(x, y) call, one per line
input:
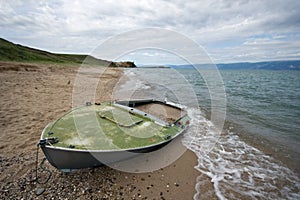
point(18, 53)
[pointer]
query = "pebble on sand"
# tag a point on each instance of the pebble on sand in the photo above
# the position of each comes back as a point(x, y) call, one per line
point(40, 191)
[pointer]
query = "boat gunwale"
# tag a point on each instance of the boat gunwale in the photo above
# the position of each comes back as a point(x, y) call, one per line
point(127, 149)
point(114, 150)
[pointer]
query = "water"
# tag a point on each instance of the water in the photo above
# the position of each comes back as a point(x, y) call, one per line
point(265, 104)
point(262, 129)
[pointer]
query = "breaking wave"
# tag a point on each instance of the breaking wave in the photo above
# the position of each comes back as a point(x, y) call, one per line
point(236, 169)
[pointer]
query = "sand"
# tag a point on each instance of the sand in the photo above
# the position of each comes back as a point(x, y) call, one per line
point(32, 95)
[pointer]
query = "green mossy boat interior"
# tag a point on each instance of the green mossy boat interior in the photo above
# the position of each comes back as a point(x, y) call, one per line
point(109, 126)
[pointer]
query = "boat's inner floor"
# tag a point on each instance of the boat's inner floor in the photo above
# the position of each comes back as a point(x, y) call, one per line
point(108, 126)
point(166, 113)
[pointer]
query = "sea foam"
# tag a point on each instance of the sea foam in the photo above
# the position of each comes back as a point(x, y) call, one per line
point(236, 169)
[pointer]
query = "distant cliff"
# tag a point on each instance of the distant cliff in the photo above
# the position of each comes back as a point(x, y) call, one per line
point(126, 64)
point(272, 65)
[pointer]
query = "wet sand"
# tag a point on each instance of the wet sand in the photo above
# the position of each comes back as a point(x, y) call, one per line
point(32, 95)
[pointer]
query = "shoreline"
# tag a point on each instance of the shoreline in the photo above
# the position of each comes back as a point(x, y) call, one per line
point(32, 95)
point(267, 146)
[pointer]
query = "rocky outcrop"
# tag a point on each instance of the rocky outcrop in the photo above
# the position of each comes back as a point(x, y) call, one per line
point(126, 64)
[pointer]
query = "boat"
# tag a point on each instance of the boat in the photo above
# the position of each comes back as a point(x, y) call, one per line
point(108, 132)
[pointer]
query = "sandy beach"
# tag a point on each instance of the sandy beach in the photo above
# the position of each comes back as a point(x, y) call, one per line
point(32, 95)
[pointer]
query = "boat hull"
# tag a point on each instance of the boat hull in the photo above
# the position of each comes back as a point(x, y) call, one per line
point(68, 159)
point(73, 158)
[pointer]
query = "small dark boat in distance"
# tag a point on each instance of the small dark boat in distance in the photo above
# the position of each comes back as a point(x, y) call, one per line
point(108, 132)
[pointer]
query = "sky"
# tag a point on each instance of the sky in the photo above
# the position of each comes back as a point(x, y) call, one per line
point(228, 31)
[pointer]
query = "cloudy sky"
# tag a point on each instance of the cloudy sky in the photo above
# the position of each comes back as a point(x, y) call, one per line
point(229, 31)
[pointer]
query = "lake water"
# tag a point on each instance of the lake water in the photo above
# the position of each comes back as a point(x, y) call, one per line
point(257, 153)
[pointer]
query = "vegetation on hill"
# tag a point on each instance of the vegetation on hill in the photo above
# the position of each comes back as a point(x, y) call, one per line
point(18, 53)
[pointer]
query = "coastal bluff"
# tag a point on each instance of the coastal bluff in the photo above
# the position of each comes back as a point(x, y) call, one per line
point(126, 64)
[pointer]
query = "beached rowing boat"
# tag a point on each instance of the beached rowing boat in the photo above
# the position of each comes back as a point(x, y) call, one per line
point(108, 132)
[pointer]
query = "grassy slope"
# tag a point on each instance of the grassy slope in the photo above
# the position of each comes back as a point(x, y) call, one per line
point(18, 53)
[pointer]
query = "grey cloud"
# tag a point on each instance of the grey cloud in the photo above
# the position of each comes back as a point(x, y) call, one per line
point(222, 27)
